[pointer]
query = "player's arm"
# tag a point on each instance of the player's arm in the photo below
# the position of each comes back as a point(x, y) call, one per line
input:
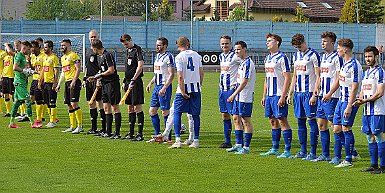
point(238, 90)
point(201, 74)
point(263, 100)
point(181, 84)
point(293, 81)
point(41, 79)
point(138, 70)
point(162, 91)
point(77, 73)
point(60, 81)
point(16, 64)
point(56, 76)
point(148, 87)
point(353, 93)
point(313, 99)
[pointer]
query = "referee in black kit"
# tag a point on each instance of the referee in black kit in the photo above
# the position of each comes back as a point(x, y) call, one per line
point(110, 88)
point(92, 68)
point(133, 78)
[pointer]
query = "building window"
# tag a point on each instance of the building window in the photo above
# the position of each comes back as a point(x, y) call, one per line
point(327, 5)
point(223, 8)
point(302, 4)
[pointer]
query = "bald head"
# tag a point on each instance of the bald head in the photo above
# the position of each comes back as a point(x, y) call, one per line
point(93, 35)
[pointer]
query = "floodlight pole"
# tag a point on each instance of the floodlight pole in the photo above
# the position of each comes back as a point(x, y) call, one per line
point(146, 24)
point(101, 19)
point(191, 24)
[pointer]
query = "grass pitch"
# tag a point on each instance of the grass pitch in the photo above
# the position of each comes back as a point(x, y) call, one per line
point(47, 160)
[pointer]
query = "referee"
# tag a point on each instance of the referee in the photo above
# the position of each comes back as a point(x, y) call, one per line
point(92, 68)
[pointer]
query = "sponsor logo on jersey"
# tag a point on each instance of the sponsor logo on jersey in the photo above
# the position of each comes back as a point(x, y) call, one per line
point(269, 69)
point(324, 70)
point(367, 87)
point(300, 68)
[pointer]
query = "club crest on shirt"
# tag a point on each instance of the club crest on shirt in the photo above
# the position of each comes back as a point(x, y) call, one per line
point(69, 59)
point(92, 59)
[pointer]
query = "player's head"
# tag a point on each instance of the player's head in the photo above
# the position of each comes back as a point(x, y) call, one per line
point(182, 43)
point(225, 43)
point(161, 45)
point(35, 49)
point(17, 45)
point(371, 55)
point(25, 47)
point(240, 48)
point(298, 42)
point(8, 48)
point(93, 35)
point(344, 46)
point(65, 46)
point(126, 41)
point(328, 40)
point(48, 47)
point(97, 46)
point(273, 42)
point(40, 40)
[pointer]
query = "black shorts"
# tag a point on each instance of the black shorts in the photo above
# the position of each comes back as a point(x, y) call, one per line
point(74, 94)
point(35, 91)
point(111, 92)
point(136, 96)
point(8, 87)
point(90, 88)
point(50, 95)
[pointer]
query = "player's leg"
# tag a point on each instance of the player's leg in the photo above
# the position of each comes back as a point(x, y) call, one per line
point(114, 101)
point(245, 116)
point(90, 88)
point(138, 90)
point(226, 109)
point(270, 107)
point(381, 148)
point(50, 99)
point(75, 96)
point(195, 111)
point(109, 119)
point(299, 111)
point(238, 128)
point(372, 144)
point(153, 111)
point(311, 111)
point(102, 114)
point(15, 107)
point(7, 91)
point(71, 112)
point(180, 106)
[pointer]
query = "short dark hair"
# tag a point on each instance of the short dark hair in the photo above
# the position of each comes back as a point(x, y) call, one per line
point(164, 40)
point(297, 39)
point(348, 43)
point(34, 43)
point(66, 41)
point(328, 34)
point(50, 44)
point(39, 39)
point(241, 43)
point(26, 43)
point(125, 37)
point(225, 37)
point(372, 49)
point(97, 44)
point(276, 37)
point(10, 46)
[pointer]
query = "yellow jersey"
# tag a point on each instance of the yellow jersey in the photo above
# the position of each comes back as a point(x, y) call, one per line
point(8, 67)
point(37, 63)
point(68, 65)
point(2, 55)
point(50, 63)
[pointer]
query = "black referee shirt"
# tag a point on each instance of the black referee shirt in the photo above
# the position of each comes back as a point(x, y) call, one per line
point(133, 55)
point(105, 61)
point(91, 63)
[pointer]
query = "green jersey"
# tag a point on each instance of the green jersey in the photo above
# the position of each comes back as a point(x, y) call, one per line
point(21, 61)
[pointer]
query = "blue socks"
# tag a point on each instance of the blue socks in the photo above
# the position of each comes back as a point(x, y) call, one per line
point(248, 137)
point(156, 123)
point(339, 139)
point(275, 137)
point(197, 125)
point(177, 123)
point(381, 153)
point(239, 137)
point(227, 127)
point(313, 136)
point(287, 137)
point(349, 145)
point(325, 142)
point(373, 153)
point(302, 135)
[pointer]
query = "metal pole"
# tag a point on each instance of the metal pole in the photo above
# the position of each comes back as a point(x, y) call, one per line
point(101, 20)
point(146, 24)
point(191, 24)
point(357, 16)
point(246, 10)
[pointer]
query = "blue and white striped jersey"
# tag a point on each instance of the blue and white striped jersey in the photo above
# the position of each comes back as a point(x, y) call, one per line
point(229, 67)
point(371, 78)
point(350, 72)
point(246, 70)
point(161, 65)
point(275, 66)
point(304, 65)
point(188, 62)
point(330, 65)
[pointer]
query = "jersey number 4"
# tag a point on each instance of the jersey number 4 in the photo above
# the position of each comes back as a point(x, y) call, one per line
point(190, 64)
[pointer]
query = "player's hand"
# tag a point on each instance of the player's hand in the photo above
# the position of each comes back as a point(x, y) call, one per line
point(347, 112)
point(162, 92)
point(83, 84)
point(98, 83)
point(288, 99)
point(316, 92)
point(148, 87)
point(313, 100)
point(123, 85)
point(57, 88)
point(186, 96)
point(72, 85)
point(281, 101)
point(39, 85)
point(54, 85)
point(230, 99)
point(326, 97)
point(90, 79)
point(358, 102)
point(263, 101)
point(132, 83)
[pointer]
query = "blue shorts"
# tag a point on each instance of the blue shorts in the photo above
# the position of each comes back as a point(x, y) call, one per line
point(339, 114)
point(161, 101)
point(373, 124)
point(325, 110)
point(224, 106)
point(302, 108)
point(242, 109)
point(191, 106)
point(273, 110)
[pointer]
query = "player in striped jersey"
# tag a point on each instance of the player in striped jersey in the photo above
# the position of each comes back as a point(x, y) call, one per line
point(306, 84)
point(243, 104)
point(329, 93)
point(275, 90)
point(349, 80)
point(188, 94)
point(163, 77)
point(229, 63)
point(372, 92)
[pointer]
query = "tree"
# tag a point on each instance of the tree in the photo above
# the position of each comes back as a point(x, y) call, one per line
point(348, 12)
point(129, 8)
point(165, 11)
point(300, 15)
point(371, 11)
point(238, 14)
point(216, 16)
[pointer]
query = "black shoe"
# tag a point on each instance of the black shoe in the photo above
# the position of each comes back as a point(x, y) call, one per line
point(7, 115)
point(370, 169)
point(43, 119)
point(24, 119)
point(107, 135)
point(99, 134)
point(225, 145)
point(115, 136)
point(378, 171)
point(129, 137)
point(138, 137)
point(17, 114)
point(91, 132)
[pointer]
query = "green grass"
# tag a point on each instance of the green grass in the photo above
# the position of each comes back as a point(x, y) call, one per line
point(47, 160)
